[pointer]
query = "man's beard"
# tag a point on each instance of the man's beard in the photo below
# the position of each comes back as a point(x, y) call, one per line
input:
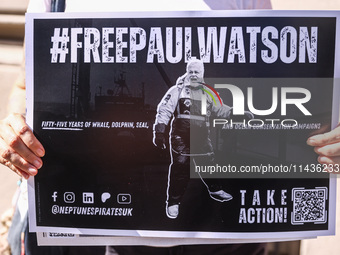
point(195, 81)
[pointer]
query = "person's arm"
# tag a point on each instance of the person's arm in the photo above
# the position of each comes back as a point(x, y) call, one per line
point(17, 96)
point(165, 111)
point(19, 148)
point(327, 146)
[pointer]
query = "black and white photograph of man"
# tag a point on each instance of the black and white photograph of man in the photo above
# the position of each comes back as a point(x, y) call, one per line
point(181, 108)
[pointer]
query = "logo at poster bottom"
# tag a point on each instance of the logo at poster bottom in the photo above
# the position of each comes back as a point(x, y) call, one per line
point(54, 196)
point(124, 199)
point(88, 198)
point(105, 196)
point(69, 197)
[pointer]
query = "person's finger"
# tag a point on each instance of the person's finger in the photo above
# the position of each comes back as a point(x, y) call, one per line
point(15, 143)
point(326, 138)
point(22, 130)
point(330, 150)
point(10, 157)
point(14, 169)
point(329, 160)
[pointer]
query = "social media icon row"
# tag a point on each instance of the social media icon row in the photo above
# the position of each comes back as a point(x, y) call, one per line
point(88, 197)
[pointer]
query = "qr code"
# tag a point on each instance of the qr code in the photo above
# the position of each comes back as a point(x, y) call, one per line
point(309, 205)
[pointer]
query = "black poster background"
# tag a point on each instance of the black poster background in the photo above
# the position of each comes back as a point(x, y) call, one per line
point(124, 160)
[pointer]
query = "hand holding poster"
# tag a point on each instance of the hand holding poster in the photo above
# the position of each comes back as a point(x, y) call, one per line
point(228, 98)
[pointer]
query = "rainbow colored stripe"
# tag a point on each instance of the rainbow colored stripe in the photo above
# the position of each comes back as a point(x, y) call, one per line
point(209, 93)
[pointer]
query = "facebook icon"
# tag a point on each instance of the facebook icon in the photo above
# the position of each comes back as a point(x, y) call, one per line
point(54, 196)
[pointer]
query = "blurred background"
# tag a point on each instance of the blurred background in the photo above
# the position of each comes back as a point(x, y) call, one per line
point(12, 22)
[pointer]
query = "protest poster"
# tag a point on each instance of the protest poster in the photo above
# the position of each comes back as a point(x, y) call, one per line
point(97, 87)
